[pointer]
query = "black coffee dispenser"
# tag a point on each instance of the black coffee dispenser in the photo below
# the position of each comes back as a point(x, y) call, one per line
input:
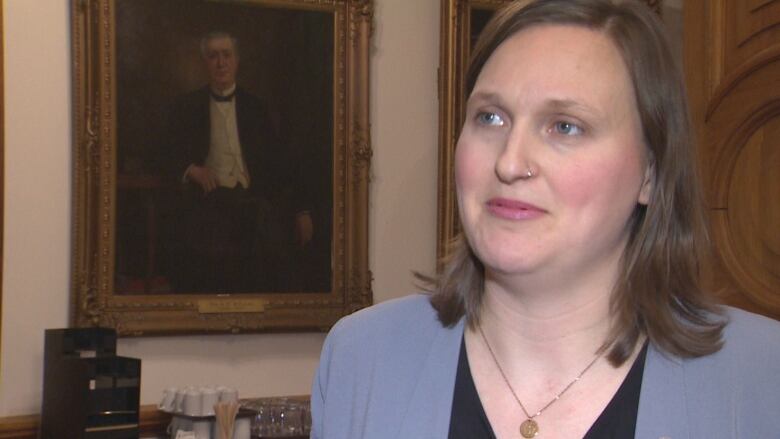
point(88, 391)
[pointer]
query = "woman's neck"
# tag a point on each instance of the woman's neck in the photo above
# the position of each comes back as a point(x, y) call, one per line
point(560, 326)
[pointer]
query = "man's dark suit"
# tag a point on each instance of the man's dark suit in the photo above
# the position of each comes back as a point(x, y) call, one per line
point(230, 240)
point(268, 162)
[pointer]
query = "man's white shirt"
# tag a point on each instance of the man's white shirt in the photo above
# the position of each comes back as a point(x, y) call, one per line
point(224, 158)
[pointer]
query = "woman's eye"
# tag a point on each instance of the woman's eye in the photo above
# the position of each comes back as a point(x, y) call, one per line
point(567, 128)
point(491, 119)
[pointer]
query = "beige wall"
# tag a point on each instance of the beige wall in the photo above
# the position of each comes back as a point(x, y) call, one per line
point(38, 201)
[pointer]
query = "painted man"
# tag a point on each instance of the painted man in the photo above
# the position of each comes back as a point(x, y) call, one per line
point(240, 201)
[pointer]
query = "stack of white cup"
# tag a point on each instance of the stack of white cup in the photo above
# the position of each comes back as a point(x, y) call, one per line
point(193, 410)
point(206, 428)
point(196, 401)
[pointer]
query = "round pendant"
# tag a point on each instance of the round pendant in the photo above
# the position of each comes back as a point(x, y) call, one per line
point(529, 428)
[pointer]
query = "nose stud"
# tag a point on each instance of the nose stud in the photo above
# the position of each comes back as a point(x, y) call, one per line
point(528, 174)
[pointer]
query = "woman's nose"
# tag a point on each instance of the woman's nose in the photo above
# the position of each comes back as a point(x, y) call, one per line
point(515, 161)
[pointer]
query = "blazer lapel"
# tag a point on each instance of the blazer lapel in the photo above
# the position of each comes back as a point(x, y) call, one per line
point(662, 401)
point(428, 413)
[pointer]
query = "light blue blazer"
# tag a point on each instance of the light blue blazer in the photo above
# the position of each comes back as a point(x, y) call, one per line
point(389, 372)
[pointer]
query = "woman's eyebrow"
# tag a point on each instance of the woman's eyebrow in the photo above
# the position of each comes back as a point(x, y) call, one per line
point(571, 104)
point(485, 97)
point(552, 104)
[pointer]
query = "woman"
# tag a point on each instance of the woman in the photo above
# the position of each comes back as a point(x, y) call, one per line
point(571, 308)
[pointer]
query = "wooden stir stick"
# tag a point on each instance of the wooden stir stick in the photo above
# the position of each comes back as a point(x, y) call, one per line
point(226, 418)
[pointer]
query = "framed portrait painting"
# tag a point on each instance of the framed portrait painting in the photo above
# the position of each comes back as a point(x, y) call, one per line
point(221, 157)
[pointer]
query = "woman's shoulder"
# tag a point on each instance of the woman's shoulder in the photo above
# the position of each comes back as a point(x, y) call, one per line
point(751, 347)
point(730, 393)
point(748, 331)
point(387, 339)
point(378, 362)
point(394, 319)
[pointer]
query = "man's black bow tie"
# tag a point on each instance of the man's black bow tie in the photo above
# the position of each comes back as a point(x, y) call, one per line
point(220, 98)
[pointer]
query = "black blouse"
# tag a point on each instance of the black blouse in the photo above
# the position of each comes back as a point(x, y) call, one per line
point(618, 420)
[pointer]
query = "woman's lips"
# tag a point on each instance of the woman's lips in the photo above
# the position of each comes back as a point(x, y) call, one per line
point(513, 209)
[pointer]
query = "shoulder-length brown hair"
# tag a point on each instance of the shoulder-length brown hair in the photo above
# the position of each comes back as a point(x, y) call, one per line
point(657, 292)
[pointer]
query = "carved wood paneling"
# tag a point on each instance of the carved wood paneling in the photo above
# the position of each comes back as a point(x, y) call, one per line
point(732, 66)
point(756, 4)
point(754, 19)
point(744, 30)
point(747, 231)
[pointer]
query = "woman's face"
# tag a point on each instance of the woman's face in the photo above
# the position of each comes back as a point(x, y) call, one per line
point(556, 100)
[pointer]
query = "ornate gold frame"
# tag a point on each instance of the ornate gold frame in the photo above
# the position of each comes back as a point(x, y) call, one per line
point(453, 58)
point(456, 34)
point(94, 302)
point(2, 154)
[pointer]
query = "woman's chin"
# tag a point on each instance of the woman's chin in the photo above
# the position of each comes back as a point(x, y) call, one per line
point(508, 263)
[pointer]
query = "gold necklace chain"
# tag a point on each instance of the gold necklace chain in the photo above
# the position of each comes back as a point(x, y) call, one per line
point(530, 428)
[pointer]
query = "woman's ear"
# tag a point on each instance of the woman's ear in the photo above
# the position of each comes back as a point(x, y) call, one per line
point(648, 184)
